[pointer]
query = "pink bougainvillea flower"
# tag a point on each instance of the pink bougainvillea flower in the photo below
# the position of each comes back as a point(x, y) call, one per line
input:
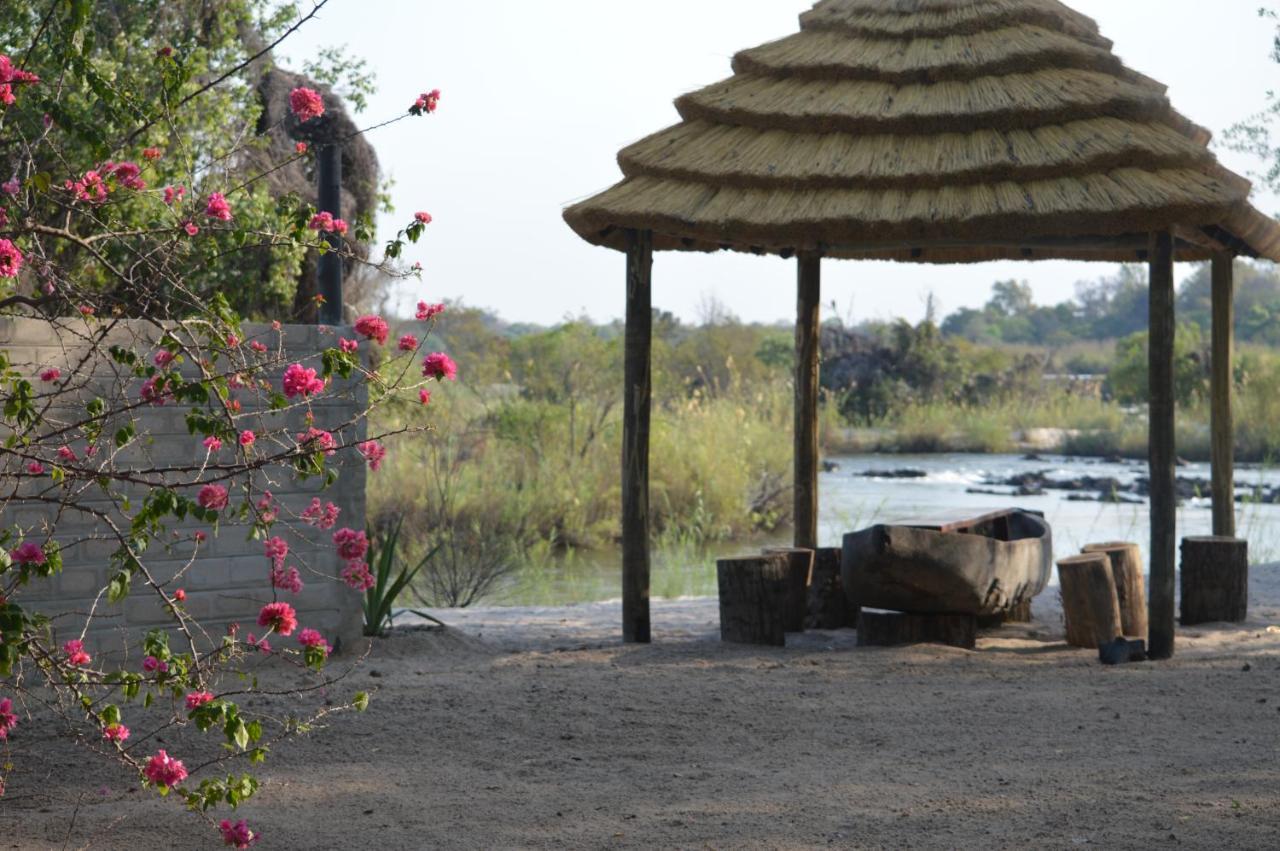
point(276, 549)
point(196, 699)
point(321, 516)
point(237, 835)
point(351, 544)
point(426, 103)
point(35, 468)
point(190, 227)
point(259, 643)
point(440, 367)
point(232, 341)
point(11, 77)
point(427, 312)
point(373, 328)
point(180, 595)
point(286, 579)
point(348, 346)
point(50, 375)
point(373, 452)
point(424, 396)
point(312, 638)
point(357, 575)
point(10, 259)
point(86, 310)
point(28, 554)
point(8, 718)
point(174, 193)
point(153, 392)
point(152, 665)
point(258, 347)
point(165, 771)
point(408, 343)
point(213, 497)
point(322, 222)
point(115, 733)
point(300, 148)
point(306, 104)
point(76, 655)
point(201, 537)
point(11, 186)
point(163, 358)
point(66, 453)
point(318, 440)
point(213, 444)
point(301, 381)
point(279, 617)
point(248, 438)
point(217, 207)
point(129, 175)
point(152, 154)
point(422, 218)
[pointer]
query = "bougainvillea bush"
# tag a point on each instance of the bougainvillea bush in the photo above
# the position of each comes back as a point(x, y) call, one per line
point(117, 207)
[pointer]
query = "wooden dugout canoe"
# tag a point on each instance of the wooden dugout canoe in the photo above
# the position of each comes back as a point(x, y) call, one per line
point(979, 565)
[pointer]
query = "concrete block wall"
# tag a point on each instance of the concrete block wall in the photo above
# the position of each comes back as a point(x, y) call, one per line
point(230, 581)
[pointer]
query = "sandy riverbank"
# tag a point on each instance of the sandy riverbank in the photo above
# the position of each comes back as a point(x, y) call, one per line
point(534, 728)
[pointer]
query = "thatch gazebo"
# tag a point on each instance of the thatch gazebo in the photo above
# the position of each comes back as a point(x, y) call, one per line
point(931, 131)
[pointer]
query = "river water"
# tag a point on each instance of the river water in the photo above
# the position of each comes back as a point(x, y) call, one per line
point(851, 500)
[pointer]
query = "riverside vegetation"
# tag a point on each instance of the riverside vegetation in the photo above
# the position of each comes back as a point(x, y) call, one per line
point(522, 465)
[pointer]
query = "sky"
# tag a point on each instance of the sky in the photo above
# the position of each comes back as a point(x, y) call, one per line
point(538, 97)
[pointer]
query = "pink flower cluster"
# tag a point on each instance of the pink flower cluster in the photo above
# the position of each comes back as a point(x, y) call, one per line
point(312, 638)
point(279, 617)
point(351, 544)
point(213, 497)
point(286, 579)
point(91, 188)
point(306, 104)
point(301, 381)
point(248, 438)
point(422, 218)
point(115, 733)
point(50, 375)
point(10, 259)
point(321, 517)
point(426, 103)
point(318, 440)
point(8, 718)
point(10, 75)
point(373, 452)
point(127, 174)
point(213, 444)
point(165, 771)
point(174, 193)
point(197, 699)
point(277, 550)
point(427, 312)
point(357, 576)
point(28, 554)
point(76, 655)
point(152, 665)
point(439, 366)
point(237, 835)
point(349, 347)
point(326, 223)
point(218, 208)
point(152, 391)
point(408, 343)
point(373, 328)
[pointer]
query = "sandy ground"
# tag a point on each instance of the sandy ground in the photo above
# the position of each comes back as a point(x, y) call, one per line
point(537, 729)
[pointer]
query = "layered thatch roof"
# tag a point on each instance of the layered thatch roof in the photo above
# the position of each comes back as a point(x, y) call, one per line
point(932, 131)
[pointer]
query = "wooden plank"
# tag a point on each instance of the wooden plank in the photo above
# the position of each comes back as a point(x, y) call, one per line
point(1222, 380)
point(635, 439)
point(1163, 450)
point(808, 340)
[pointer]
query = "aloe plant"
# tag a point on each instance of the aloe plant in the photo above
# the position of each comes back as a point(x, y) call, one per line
point(384, 560)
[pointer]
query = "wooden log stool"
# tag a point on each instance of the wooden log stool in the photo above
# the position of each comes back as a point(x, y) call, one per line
point(828, 606)
point(1090, 604)
point(895, 629)
point(1017, 613)
point(1215, 580)
point(753, 596)
point(799, 572)
point(1131, 585)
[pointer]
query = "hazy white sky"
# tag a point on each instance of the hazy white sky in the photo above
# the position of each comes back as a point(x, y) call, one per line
point(539, 97)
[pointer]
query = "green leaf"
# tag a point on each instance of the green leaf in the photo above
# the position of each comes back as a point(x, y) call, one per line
point(361, 703)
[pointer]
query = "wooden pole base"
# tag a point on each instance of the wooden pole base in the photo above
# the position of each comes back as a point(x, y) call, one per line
point(895, 629)
point(1215, 580)
point(1131, 585)
point(1090, 604)
point(828, 606)
point(799, 573)
point(1020, 613)
point(753, 595)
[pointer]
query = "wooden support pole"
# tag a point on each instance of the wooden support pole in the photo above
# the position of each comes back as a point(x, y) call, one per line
point(1163, 451)
point(1221, 386)
point(808, 340)
point(635, 439)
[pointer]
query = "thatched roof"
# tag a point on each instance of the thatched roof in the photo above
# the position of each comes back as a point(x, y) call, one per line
point(932, 131)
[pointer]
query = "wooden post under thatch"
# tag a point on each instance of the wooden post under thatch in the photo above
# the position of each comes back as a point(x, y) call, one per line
point(1164, 490)
point(1221, 387)
point(635, 439)
point(808, 338)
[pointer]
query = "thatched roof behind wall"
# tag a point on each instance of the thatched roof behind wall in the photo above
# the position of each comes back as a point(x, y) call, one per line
point(932, 131)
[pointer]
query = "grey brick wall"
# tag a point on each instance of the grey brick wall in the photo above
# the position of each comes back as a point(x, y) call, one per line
point(229, 582)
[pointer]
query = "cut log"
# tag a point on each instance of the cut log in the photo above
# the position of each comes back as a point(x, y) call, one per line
point(895, 629)
point(1090, 604)
point(1215, 580)
point(1131, 585)
point(828, 606)
point(753, 594)
point(799, 574)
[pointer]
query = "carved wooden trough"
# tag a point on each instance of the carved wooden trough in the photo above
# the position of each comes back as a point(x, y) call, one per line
point(984, 566)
